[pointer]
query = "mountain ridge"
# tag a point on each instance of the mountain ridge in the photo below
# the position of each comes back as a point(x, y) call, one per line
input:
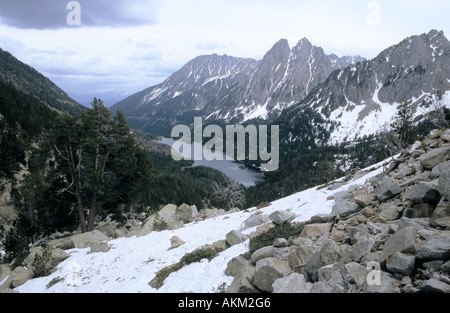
point(364, 97)
point(243, 92)
point(32, 82)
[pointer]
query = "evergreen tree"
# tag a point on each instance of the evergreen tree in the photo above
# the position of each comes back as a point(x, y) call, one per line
point(403, 124)
point(92, 164)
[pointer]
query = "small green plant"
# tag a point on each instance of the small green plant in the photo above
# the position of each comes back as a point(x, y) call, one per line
point(199, 254)
point(263, 205)
point(42, 263)
point(206, 252)
point(284, 230)
point(159, 224)
point(53, 282)
point(162, 274)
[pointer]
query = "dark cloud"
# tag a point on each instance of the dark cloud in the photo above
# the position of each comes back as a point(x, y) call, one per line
point(52, 14)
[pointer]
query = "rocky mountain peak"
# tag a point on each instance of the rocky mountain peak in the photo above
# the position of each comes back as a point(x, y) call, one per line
point(364, 96)
point(233, 89)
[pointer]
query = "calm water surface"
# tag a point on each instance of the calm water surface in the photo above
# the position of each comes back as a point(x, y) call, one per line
point(238, 171)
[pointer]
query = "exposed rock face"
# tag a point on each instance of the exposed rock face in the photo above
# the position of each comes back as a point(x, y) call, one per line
point(233, 89)
point(411, 70)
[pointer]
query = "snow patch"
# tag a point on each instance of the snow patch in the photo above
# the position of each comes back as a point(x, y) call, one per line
point(132, 263)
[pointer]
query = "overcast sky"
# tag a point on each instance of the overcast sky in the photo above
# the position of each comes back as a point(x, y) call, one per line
point(121, 47)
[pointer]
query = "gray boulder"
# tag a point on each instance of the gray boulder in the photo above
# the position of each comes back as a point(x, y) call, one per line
point(262, 253)
point(436, 171)
point(325, 256)
point(281, 216)
point(293, 283)
point(18, 277)
point(362, 247)
point(436, 286)
point(235, 265)
point(444, 183)
point(84, 240)
point(441, 215)
point(80, 241)
point(321, 287)
point(187, 213)
point(299, 256)
point(427, 192)
point(345, 208)
point(268, 271)
point(436, 247)
point(434, 157)
point(400, 264)
point(405, 240)
point(235, 237)
point(387, 189)
point(242, 282)
point(99, 247)
point(387, 284)
point(171, 217)
point(255, 220)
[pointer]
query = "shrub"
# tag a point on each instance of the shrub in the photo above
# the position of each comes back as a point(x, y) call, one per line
point(284, 230)
point(42, 263)
point(199, 254)
point(159, 224)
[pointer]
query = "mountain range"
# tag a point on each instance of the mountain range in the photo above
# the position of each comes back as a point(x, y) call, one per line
point(352, 95)
point(230, 89)
point(363, 98)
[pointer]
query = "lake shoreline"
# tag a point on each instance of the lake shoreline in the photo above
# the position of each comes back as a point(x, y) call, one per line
point(245, 174)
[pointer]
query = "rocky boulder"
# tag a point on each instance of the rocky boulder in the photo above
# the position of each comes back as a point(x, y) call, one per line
point(293, 283)
point(444, 183)
point(387, 189)
point(235, 237)
point(434, 157)
point(427, 192)
point(281, 216)
point(405, 240)
point(80, 241)
point(188, 213)
point(267, 271)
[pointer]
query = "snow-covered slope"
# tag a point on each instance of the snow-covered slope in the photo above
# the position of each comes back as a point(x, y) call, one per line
point(362, 98)
point(132, 263)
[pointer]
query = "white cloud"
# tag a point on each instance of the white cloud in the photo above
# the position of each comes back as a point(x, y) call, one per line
point(143, 44)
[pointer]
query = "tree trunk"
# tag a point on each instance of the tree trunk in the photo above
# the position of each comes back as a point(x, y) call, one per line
point(92, 213)
point(81, 214)
point(76, 172)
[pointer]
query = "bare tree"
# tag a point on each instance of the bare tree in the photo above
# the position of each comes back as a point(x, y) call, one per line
point(438, 107)
point(389, 140)
point(229, 192)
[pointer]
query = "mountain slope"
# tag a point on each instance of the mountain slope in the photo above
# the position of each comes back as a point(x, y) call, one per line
point(30, 81)
point(132, 263)
point(360, 99)
point(229, 89)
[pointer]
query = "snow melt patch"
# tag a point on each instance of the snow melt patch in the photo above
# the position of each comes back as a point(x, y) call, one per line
point(259, 111)
point(132, 263)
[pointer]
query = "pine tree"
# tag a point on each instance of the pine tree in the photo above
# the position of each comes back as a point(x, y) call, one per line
point(93, 164)
point(403, 124)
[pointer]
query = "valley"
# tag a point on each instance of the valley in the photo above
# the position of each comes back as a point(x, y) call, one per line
point(318, 126)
